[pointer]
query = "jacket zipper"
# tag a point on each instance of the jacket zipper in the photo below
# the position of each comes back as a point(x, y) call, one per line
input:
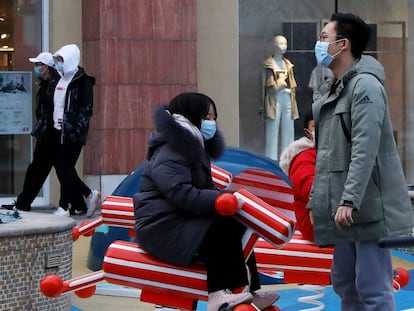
point(68, 106)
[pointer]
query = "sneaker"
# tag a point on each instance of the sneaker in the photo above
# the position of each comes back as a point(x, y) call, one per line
point(163, 308)
point(61, 212)
point(13, 205)
point(226, 300)
point(264, 299)
point(92, 202)
point(76, 212)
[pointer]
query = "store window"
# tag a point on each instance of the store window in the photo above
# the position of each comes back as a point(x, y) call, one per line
point(300, 22)
point(20, 38)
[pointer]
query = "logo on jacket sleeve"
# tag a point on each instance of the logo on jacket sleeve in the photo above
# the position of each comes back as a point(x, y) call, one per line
point(365, 100)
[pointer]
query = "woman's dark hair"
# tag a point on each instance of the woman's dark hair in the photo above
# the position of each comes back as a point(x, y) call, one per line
point(193, 106)
point(355, 29)
point(308, 118)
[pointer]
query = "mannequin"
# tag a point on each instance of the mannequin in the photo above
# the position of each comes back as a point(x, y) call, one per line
point(280, 107)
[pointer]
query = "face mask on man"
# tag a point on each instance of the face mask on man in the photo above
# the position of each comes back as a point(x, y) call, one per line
point(321, 53)
point(208, 129)
point(37, 72)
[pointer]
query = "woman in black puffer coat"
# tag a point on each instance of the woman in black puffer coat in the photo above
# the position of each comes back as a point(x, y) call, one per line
point(175, 213)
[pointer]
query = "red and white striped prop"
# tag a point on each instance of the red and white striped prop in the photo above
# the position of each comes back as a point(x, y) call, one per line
point(221, 178)
point(301, 261)
point(86, 228)
point(118, 211)
point(264, 219)
point(128, 265)
point(267, 186)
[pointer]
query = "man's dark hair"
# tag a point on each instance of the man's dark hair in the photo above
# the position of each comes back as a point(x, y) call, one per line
point(308, 118)
point(355, 29)
point(193, 106)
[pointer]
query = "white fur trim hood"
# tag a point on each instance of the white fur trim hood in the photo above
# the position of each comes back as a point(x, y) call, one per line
point(292, 151)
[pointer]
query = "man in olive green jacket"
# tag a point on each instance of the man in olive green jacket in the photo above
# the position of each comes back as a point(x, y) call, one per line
point(359, 193)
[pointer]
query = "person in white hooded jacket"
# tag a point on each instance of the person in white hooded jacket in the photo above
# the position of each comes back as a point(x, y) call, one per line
point(73, 104)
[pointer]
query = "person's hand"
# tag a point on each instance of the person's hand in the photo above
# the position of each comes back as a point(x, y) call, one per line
point(343, 216)
point(227, 204)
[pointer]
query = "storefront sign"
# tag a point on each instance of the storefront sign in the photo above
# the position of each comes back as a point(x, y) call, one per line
point(15, 102)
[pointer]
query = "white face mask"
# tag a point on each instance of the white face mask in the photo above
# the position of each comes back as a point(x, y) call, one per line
point(312, 135)
point(321, 53)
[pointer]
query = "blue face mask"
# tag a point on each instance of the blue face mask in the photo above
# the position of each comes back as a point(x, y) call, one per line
point(208, 129)
point(59, 67)
point(321, 53)
point(37, 72)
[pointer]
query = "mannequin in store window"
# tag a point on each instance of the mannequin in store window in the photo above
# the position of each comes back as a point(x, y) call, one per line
point(280, 107)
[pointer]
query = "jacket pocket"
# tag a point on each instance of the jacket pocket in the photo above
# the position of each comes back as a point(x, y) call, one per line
point(371, 209)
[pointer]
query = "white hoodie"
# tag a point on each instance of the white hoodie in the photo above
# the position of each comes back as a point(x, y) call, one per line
point(71, 58)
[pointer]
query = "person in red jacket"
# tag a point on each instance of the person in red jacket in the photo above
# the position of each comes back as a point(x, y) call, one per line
point(298, 163)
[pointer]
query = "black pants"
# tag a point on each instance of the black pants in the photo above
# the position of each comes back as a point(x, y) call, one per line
point(48, 153)
point(72, 187)
point(222, 253)
point(44, 158)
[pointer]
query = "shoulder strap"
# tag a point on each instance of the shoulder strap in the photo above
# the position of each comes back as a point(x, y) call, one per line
point(345, 129)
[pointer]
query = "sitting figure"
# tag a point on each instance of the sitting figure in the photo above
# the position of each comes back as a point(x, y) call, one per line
point(298, 163)
point(175, 215)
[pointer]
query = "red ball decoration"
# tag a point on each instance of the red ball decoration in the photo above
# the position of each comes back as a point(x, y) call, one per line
point(227, 204)
point(51, 285)
point(401, 276)
point(86, 292)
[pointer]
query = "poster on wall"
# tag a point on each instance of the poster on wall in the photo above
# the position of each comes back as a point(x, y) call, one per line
point(15, 102)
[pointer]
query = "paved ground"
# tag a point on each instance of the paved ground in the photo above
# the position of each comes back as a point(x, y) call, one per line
point(79, 267)
point(109, 303)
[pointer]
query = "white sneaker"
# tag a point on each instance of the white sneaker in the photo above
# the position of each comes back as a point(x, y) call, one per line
point(92, 202)
point(61, 212)
point(226, 300)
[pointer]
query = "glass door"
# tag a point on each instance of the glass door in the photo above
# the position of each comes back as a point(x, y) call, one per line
point(20, 38)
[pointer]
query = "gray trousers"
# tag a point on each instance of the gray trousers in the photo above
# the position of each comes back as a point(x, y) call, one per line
point(362, 275)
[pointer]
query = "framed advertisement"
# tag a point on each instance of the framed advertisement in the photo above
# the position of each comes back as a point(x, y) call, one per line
point(15, 102)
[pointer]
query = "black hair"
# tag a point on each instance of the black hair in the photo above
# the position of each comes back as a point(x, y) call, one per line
point(193, 106)
point(354, 29)
point(308, 118)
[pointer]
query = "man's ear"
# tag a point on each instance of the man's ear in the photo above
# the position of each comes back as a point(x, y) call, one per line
point(347, 44)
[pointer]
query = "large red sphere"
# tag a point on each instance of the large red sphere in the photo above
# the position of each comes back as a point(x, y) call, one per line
point(51, 285)
point(227, 204)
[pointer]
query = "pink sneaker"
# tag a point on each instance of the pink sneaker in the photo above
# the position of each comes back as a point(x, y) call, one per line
point(226, 300)
point(264, 299)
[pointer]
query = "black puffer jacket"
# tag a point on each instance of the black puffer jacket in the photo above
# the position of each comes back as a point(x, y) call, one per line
point(78, 108)
point(44, 104)
point(175, 205)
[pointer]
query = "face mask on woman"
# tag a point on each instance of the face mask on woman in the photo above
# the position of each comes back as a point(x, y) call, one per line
point(208, 129)
point(37, 72)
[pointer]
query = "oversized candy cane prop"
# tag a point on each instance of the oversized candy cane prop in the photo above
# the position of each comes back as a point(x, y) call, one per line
point(301, 261)
point(125, 263)
point(118, 211)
